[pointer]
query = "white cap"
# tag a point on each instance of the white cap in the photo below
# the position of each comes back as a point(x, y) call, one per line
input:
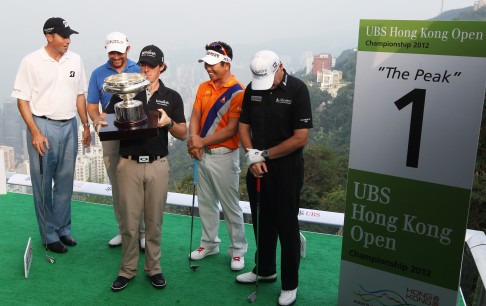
point(213, 57)
point(263, 67)
point(116, 41)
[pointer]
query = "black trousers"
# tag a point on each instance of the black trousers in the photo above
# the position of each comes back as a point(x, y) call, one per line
point(279, 209)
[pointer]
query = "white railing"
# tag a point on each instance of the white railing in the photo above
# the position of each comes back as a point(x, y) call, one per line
point(181, 199)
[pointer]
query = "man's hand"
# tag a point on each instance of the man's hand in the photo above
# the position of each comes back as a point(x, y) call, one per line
point(99, 122)
point(195, 142)
point(163, 118)
point(40, 143)
point(195, 146)
point(254, 156)
point(86, 138)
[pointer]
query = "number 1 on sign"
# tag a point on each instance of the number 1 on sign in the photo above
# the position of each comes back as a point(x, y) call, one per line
point(417, 98)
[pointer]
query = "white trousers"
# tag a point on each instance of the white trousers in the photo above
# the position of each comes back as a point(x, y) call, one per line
point(218, 183)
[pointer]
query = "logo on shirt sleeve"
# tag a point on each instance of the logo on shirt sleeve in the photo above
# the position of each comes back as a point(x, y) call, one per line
point(72, 74)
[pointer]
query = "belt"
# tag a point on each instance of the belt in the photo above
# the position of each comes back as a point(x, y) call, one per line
point(44, 117)
point(219, 150)
point(143, 158)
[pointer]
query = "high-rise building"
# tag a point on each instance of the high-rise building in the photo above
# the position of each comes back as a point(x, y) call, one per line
point(479, 4)
point(12, 126)
point(321, 61)
point(82, 172)
point(9, 157)
point(89, 161)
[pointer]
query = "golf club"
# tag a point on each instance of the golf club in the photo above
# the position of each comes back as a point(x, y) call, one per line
point(252, 297)
point(49, 258)
point(194, 181)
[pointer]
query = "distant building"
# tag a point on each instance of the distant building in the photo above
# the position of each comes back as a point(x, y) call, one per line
point(9, 157)
point(479, 4)
point(82, 172)
point(330, 80)
point(321, 61)
point(12, 126)
point(89, 161)
point(98, 171)
point(307, 61)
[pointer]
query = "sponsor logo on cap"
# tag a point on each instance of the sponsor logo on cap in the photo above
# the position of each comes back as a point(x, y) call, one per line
point(149, 53)
point(114, 41)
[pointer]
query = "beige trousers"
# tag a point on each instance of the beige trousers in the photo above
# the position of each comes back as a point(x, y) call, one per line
point(143, 189)
point(111, 156)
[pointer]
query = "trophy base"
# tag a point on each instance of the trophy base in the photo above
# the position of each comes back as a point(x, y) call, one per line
point(130, 124)
point(115, 132)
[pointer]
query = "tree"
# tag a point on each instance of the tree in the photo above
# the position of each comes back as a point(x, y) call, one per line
point(324, 172)
point(346, 62)
point(477, 210)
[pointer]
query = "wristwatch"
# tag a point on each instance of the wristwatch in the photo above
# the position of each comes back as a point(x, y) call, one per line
point(170, 125)
point(86, 124)
point(266, 155)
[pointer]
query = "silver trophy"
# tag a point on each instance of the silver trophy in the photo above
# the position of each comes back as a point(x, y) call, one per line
point(129, 112)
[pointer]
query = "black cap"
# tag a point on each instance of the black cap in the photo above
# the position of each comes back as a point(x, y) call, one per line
point(59, 26)
point(151, 55)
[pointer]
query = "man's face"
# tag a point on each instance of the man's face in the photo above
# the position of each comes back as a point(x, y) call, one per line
point(151, 73)
point(117, 59)
point(58, 42)
point(216, 72)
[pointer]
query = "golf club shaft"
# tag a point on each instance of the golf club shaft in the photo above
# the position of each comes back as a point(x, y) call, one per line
point(252, 297)
point(194, 180)
point(258, 181)
point(41, 168)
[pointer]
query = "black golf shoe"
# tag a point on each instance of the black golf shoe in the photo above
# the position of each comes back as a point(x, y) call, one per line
point(56, 247)
point(119, 284)
point(158, 281)
point(68, 240)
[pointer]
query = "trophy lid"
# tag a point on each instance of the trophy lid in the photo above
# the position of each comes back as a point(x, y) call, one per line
point(125, 83)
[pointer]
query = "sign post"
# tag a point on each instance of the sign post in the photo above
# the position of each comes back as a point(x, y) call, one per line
point(418, 101)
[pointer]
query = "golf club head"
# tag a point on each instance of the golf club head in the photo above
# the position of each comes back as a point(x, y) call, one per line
point(191, 266)
point(252, 297)
point(50, 259)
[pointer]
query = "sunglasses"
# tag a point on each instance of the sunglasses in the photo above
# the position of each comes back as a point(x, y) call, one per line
point(219, 46)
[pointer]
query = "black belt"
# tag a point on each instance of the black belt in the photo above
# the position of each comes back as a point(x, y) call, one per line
point(44, 117)
point(143, 158)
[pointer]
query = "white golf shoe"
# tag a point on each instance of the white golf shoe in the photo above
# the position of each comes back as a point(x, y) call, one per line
point(237, 263)
point(249, 278)
point(115, 241)
point(287, 297)
point(202, 252)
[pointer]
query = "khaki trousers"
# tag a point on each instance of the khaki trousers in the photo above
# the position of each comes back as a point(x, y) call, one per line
point(111, 157)
point(143, 189)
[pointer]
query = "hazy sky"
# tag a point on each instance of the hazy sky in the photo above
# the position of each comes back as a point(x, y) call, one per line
point(184, 24)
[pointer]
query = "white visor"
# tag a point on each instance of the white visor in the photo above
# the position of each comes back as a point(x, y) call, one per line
point(213, 57)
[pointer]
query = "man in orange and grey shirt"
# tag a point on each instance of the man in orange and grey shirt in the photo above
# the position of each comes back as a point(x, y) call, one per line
point(214, 141)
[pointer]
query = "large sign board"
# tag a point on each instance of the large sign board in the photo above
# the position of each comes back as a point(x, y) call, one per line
point(416, 120)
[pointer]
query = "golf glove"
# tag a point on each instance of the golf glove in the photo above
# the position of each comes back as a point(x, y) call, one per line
point(254, 156)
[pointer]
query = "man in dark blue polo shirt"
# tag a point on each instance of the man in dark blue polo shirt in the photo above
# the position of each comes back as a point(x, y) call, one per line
point(274, 127)
point(117, 48)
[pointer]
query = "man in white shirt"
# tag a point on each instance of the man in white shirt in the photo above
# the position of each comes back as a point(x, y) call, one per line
point(50, 89)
